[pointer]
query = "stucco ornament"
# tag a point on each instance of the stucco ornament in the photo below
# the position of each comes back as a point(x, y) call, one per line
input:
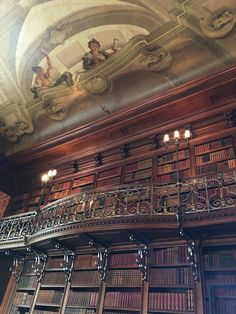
point(98, 85)
point(55, 110)
point(156, 59)
point(56, 36)
point(218, 25)
point(13, 132)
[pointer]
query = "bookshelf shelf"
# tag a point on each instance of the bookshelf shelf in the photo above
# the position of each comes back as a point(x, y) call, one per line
point(48, 304)
point(22, 306)
point(170, 286)
point(170, 311)
point(122, 309)
point(170, 265)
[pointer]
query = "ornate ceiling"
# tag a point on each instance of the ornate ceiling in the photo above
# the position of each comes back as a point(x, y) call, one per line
point(147, 47)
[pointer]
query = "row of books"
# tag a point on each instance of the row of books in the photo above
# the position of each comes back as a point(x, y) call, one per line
point(86, 278)
point(117, 259)
point(221, 280)
point(213, 145)
point(54, 262)
point(126, 300)
point(170, 255)
point(49, 297)
point(85, 261)
point(28, 282)
point(83, 298)
point(81, 189)
point(28, 266)
point(182, 164)
point(83, 181)
point(142, 174)
point(210, 193)
point(172, 200)
point(184, 174)
point(23, 298)
point(54, 278)
point(217, 166)
point(225, 292)
point(226, 306)
point(218, 155)
point(79, 311)
point(171, 276)
point(124, 277)
point(108, 182)
point(171, 301)
point(56, 195)
point(60, 186)
point(139, 165)
point(172, 156)
point(110, 173)
point(226, 259)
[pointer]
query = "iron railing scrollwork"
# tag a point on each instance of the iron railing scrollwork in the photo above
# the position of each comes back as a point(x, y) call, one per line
point(201, 194)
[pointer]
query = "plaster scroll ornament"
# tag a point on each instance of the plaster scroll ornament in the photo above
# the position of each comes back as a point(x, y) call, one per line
point(218, 25)
point(13, 132)
point(55, 110)
point(156, 59)
point(56, 36)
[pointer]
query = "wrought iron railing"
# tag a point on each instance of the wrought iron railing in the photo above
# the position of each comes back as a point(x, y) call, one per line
point(216, 192)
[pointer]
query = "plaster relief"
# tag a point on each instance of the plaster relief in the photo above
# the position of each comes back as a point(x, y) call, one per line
point(218, 25)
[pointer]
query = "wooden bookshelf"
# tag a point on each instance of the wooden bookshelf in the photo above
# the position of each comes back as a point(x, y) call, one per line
point(215, 156)
point(220, 278)
point(84, 291)
point(82, 184)
point(59, 190)
point(123, 284)
point(138, 172)
point(167, 166)
point(170, 281)
point(110, 177)
point(25, 290)
point(52, 287)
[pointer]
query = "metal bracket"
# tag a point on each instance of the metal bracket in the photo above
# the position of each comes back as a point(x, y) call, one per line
point(102, 258)
point(68, 259)
point(192, 256)
point(17, 265)
point(40, 260)
point(142, 255)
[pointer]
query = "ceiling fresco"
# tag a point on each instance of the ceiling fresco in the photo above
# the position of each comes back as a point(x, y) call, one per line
point(64, 64)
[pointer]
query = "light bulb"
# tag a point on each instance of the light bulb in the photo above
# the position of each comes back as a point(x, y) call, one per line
point(50, 173)
point(166, 138)
point(187, 134)
point(54, 172)
point(176, 134)
point(44, 178)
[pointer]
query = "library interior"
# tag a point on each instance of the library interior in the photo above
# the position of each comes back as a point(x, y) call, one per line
point(118, 157)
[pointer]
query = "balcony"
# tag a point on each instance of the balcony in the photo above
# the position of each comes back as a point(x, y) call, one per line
point(198, 201)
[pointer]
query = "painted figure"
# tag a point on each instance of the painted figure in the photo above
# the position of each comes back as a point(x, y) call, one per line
point(43, 79)
point(95, 56)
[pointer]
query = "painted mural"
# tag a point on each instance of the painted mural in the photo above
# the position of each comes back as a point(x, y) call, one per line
point(64, 64)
